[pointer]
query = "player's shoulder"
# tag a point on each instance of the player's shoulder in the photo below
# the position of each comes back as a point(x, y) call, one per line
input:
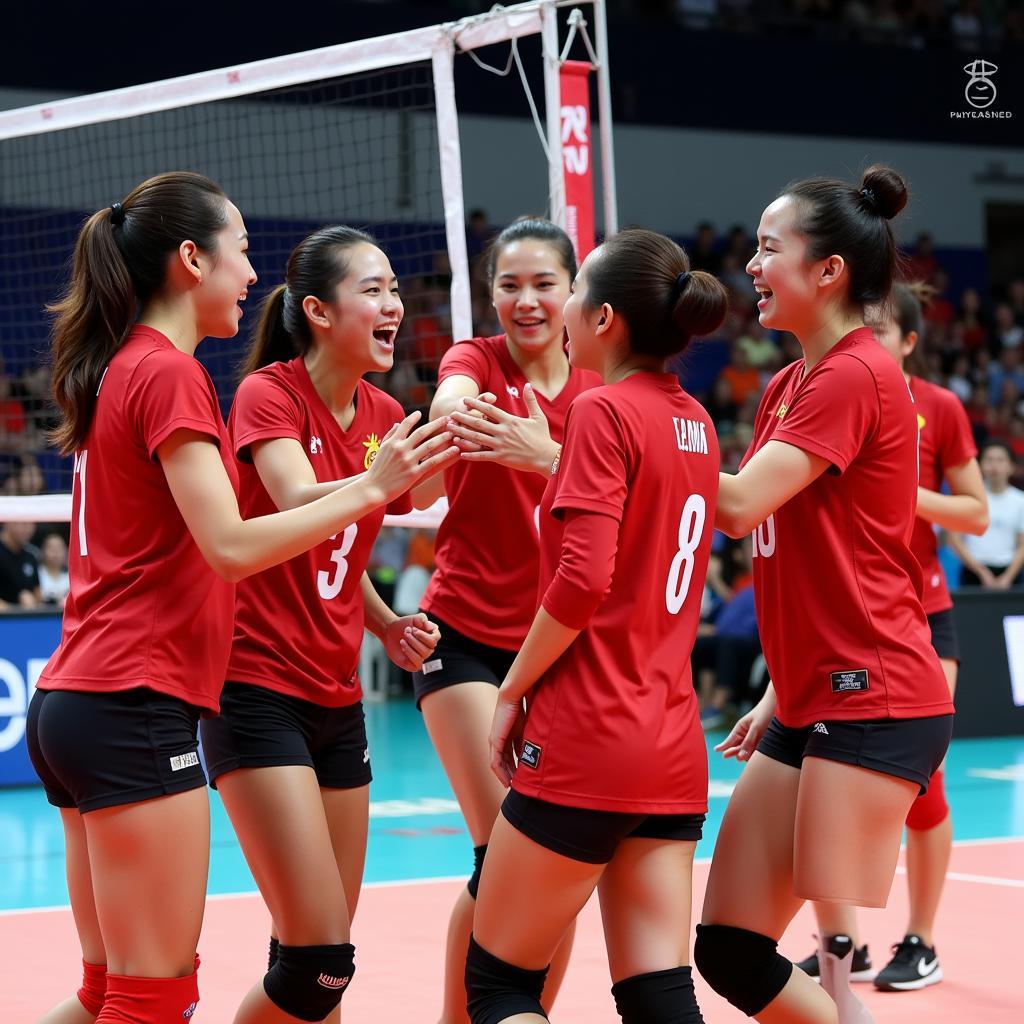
point(148, 358)
point(477, 349)
point(274, 378)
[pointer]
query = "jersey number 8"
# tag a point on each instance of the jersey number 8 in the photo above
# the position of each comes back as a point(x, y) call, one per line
point(330, 584)
point(691, 527)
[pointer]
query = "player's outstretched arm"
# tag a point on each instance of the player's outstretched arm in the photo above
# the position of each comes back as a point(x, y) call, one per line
point(236, 548)
point(775, 474)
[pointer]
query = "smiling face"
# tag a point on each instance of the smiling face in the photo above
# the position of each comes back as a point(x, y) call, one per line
point(365, 313)
point(531, 285)
point(226, 277)
point(788, 284)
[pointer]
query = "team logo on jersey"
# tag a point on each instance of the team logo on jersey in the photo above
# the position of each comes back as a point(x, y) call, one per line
point(530, 755)
point(921, 421)
point(783, 409)
point(850, 681)
point(189, 1010)
point(316, 446)
point(512, 390)
point(372, 446)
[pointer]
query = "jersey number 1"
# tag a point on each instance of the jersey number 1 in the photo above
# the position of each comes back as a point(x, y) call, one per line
point(691, 527)
point(330, 584)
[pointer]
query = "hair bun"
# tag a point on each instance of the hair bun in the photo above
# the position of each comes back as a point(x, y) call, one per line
point(884, 190)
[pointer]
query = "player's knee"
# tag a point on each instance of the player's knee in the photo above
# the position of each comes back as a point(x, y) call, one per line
point(479, 852)
point(661, 997)
point(929, 809)
point(742, 966)
point(496, 989)
point(94, 987)
point(151, 1000)
point(309, 981)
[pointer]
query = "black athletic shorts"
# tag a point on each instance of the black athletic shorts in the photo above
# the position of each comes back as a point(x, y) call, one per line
point(944, 638)
point(460, 659)
point(592, 836)
point(261, 728)
point(96, 750)
point(908, 748)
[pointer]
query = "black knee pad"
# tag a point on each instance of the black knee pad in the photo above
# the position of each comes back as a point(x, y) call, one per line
point(272, 953)
point(496, 990)
point(479, 852)
point(743, 966)
point(309, 981)
point(661, 997)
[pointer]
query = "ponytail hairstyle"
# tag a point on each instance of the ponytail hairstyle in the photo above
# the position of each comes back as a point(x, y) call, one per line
point(646, 278)
point(120, 261)
point(852, 221)
point(536, 229)
point(316, 266)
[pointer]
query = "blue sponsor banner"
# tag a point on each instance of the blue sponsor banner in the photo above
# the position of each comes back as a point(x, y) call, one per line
point(27, 640)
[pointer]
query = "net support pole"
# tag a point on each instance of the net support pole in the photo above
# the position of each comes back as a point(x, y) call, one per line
point(604, 113)
point(443, 63)
point(553, 113)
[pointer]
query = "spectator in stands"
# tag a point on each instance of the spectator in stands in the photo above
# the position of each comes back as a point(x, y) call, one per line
point(720, 406)
point(966, 25)
point(744, 380)
point(735, 278)
point(761, 351)
point(26, 479)
point(478, 235)
point(704, 255)
point(19, 567)
point(995, 559)
point(922, 264)
point(1008, 369)
point(971, 319)
point(960, 380)
point(940, 310)
point(1007, 332)
point(729, 646)
point(12, 417)
point(54, 582)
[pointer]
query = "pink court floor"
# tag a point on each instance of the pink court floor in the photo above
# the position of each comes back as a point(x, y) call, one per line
point(400, 929)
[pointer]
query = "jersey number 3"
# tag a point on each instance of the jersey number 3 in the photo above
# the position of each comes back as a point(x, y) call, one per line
point(691, 527)
point(330, 583)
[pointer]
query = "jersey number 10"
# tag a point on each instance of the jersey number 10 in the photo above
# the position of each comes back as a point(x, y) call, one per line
point(680, 573)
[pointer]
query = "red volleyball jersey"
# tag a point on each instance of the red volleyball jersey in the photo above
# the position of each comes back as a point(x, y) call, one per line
point(613, 724)
point(837, 586)
point(145, 608)
point(485, 585)
point(946, 442)
point(299, 625)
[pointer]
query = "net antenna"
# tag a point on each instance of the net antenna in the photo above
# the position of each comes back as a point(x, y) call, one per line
point(274, 87)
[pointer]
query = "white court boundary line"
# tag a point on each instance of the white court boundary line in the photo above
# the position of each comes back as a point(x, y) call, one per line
point(956, 876)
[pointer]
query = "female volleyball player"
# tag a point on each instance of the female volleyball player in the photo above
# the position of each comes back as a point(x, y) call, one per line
point(288, 751)
point(483, 594)
point(156, 541)
point(859, 714)
point(611, 786)
point(947, 452)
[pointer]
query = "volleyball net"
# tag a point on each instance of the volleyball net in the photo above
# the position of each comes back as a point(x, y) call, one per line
point(365, 133)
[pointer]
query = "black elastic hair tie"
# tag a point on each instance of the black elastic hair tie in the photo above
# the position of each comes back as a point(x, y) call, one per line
point(116, 214)
point(681, 282)
point(869, 195)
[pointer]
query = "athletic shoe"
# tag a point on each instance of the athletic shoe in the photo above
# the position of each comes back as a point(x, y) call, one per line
point(914, 965)
point(860, 971)
point(711, 719)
